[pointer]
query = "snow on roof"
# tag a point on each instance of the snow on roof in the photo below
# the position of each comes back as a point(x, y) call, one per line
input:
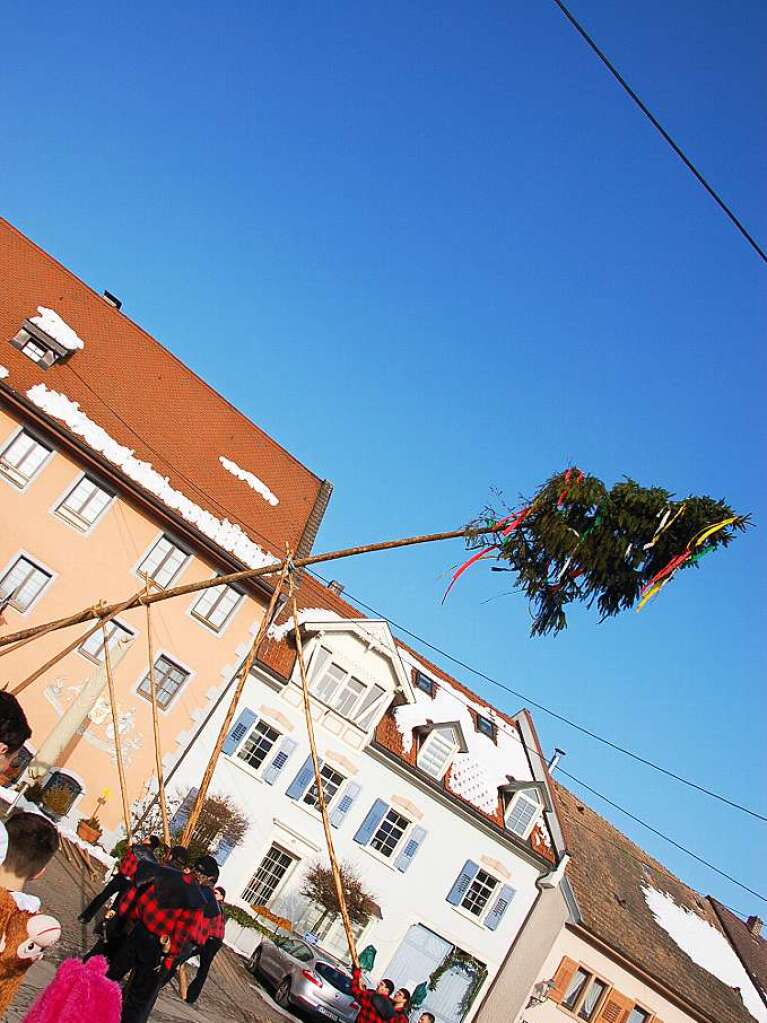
point(252, 480)
point(307, 614)
point(477, 774)
point(3, 372)
point(705, 946)
point(49, 321)
point(226, 534)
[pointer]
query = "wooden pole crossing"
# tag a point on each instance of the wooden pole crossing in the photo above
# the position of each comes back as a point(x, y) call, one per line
point(118, 741)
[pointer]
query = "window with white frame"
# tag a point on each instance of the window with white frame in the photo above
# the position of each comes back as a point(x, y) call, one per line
point(164, 562)
point(22, 457)
point(523, 812)
point(216, 605)
point(34, 350)
point(332, 781)
point(342, 691)
point(389, 833)
point(258, 744)
point(84, 503)
point(266, 880)
point(93, 646)
point(22, 584)
point(169, 677)
point(479, 893)
point(437, 750)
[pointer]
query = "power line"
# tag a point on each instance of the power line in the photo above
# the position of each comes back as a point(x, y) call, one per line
point(662, 131)
point(443, 653)
point(559, 717)
point(661, 834)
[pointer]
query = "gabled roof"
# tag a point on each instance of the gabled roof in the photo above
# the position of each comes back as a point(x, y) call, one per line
point(611, 878)
point(145, 398)
point(751, 947)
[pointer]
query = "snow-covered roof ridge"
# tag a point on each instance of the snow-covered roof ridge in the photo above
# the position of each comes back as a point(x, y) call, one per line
point(227, 535)
point(307, 614)
point(55, 327)
point(251, 479)
point(706, 946)
point(477, 774)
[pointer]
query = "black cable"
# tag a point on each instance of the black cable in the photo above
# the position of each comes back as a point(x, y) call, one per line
point(443, 653)
point(662, 131)
point(559, 717)
point(661, 834)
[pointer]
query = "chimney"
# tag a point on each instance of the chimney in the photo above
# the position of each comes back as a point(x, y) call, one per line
point(335, 587)
point(557, 756)
point(113, 300)
point(754, 925)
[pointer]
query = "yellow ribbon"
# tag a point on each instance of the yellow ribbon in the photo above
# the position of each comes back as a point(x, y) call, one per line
point(704, 534)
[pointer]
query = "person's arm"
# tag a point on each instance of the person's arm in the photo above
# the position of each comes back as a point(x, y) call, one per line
point(359, 992)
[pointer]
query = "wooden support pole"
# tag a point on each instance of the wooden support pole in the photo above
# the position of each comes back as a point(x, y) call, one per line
point(89, 613)
point(227, 722)
point(118, 741)
point(156, 725)
point(67, 649)
point(320, 791)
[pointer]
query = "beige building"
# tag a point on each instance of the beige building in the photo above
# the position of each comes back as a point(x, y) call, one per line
point(116, 460)
point(624, 941)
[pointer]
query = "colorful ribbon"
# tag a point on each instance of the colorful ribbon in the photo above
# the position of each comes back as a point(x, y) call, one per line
point(517, 519)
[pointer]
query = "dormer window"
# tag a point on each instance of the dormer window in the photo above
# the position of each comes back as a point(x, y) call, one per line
point(523, 812)
point(346, 694)
point(437, 751)
point(46, 339)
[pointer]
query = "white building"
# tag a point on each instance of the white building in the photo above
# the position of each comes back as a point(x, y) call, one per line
point(442, 803)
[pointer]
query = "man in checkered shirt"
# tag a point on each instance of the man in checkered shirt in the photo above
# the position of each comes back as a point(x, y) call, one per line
point(375, 1006)
point(123, 879)
point(209, 950)
point(167, 915)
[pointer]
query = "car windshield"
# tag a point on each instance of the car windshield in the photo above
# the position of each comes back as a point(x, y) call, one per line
point(341, 981)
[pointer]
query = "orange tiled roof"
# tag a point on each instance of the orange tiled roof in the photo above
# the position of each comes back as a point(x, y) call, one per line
point(148, 400)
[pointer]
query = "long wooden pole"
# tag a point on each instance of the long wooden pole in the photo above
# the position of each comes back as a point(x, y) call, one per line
point(118, 741)
point(156, 724)
point(320, 791)
point(89, 613)
point(227, 722)
point(67, 649)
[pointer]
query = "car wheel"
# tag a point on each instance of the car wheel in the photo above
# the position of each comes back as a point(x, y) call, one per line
point(282, 994)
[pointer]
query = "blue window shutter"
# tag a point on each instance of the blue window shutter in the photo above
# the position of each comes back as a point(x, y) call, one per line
point(412, 846)
point(301, 782)
point(181, 816)
point(495, 915)
point(375, 815)
point(224, 851)
point(280, 758)
point(242, 726)
point(462, 882)
point(345, 803)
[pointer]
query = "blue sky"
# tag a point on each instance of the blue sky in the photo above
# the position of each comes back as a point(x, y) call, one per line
point(434, 250)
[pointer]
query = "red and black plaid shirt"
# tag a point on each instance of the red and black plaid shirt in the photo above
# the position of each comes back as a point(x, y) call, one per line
point(180, 926)
point(129, 865)
point(217, 927)
point(364, 995)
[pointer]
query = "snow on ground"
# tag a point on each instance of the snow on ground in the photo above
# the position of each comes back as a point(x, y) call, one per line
point(53, 325)
point(252, 480)
point(3, 372)
point(308, 614)
point(226, 534)
point(706, 946)
point(477, 774)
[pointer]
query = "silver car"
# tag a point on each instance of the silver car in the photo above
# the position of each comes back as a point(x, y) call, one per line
point(306, 978)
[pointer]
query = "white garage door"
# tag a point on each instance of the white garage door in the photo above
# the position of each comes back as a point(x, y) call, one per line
point(415, 960)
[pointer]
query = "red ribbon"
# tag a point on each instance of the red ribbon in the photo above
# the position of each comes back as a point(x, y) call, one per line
point(520, 518)
point(563, 496)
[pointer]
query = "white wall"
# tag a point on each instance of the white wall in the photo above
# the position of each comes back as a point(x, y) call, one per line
point(416, 896)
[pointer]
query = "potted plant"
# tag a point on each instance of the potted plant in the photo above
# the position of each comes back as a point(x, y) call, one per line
point(89, 829)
